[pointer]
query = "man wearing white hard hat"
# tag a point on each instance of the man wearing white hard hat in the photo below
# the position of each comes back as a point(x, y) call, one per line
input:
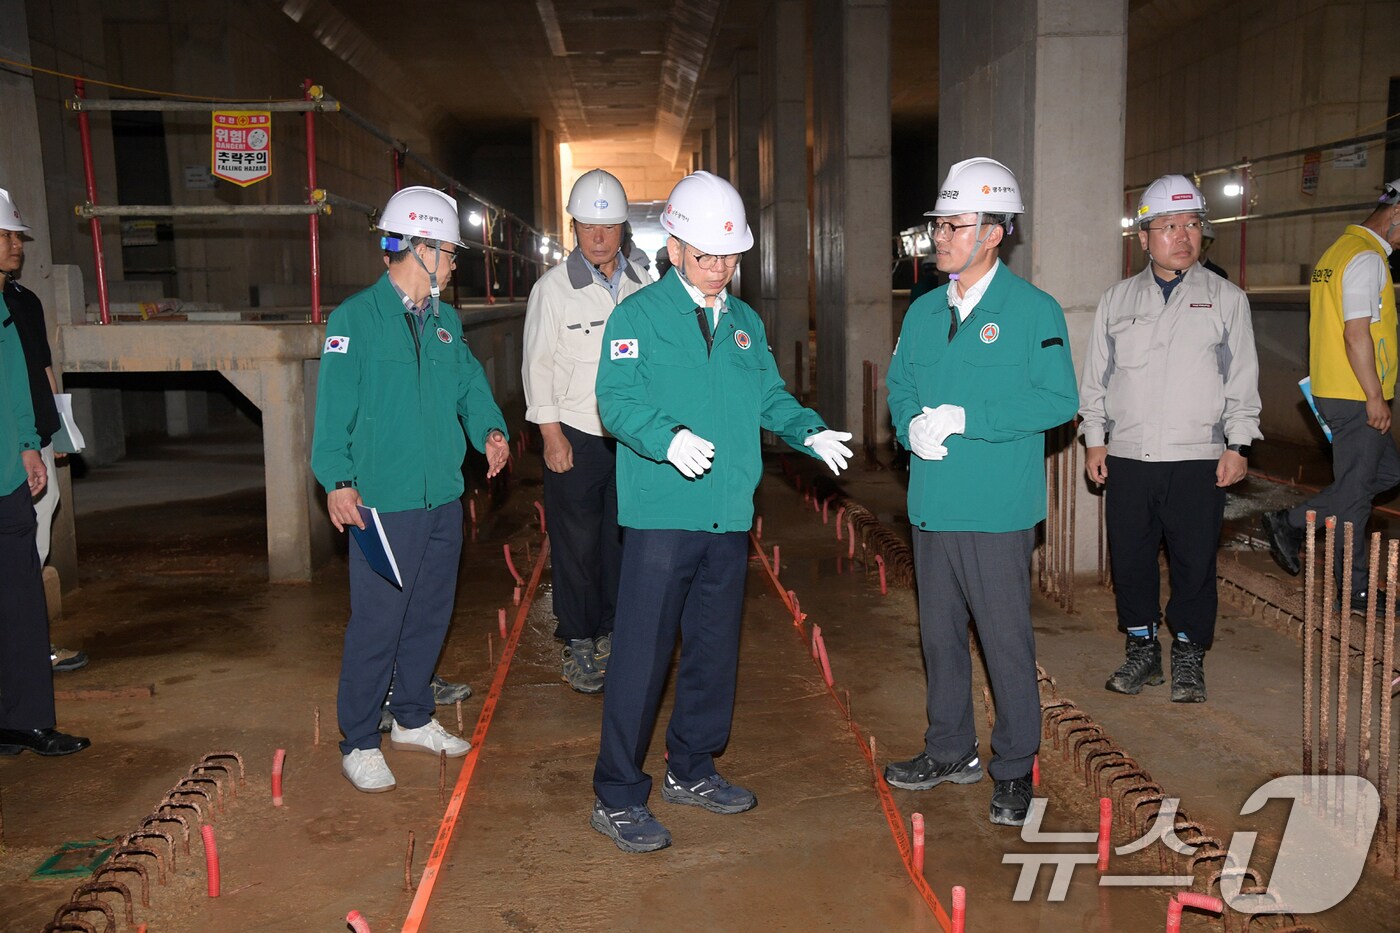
point(397, 386)
point(569, 306)
point(1169, 402)
point(685, 382)
point(1207, 238)
point(1353, 356)
point(26, 676)
point(981, 371)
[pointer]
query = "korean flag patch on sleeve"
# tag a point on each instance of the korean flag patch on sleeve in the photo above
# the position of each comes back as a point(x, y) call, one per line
point(624, 349)
point(336, 345)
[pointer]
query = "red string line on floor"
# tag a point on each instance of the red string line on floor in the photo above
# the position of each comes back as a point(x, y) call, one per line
point(419, 908)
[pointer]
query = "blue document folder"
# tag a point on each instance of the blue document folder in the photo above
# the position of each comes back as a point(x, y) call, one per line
point(1305, 384)
point(374, 544)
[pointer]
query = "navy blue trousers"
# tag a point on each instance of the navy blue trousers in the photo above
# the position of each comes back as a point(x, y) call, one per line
point(26, 675)
point(585, 544)
point(389, 626)
point(686, 582)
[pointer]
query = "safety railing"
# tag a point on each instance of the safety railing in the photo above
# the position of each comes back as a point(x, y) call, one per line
point(501, 231)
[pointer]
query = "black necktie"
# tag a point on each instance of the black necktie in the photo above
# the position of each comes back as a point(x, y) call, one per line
point(952, 322)
point(704, 318)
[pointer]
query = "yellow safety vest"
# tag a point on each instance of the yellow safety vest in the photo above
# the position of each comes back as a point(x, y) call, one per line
point(1332, 375)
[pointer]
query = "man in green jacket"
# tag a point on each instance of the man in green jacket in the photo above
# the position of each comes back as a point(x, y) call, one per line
point(685, 381)
point(26, 677)
point(981, 370)
point(397, 385)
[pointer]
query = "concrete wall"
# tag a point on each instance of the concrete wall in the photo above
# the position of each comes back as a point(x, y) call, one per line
point(1252, 77)
point(242, 50)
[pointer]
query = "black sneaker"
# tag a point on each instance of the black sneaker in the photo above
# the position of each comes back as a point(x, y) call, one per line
point(1010, 801)
point(1142, 667)
point(1358, 603)
point(632, 829)
point(921, 772)
point(713, 793)
point(67, 659)
point(1284, 540)
point(1188, 672)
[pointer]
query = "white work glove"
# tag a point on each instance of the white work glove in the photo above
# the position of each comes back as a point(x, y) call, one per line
point(831, 447)
point(921, 437)
point(690, 453)
point(945, 421)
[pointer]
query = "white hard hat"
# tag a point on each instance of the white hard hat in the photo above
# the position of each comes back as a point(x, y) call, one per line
point(705, 211)
point(978, 185)
point(1390, 192)
point(424, 212)
point(1170, 194)
point(597, 198)
point(10, 218)
point(1207, 229)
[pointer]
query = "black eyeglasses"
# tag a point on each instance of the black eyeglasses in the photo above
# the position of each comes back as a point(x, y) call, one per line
point(710, 261)
point(938, 228)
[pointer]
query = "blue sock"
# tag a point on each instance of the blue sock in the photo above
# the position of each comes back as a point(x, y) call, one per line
point(1181, 636)
point(1142, 631)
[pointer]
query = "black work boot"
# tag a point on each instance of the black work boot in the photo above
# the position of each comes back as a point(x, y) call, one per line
point(1142, 667)
point(1285, 542)
point(1188, 672)
point(1011, 800)
point(921, 772)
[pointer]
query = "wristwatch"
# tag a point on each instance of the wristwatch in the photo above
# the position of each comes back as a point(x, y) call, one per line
point(345, 484)
point(1241, 449)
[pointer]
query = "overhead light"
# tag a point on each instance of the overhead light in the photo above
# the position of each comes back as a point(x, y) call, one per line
point(544, 248)
point(544, 240)
point(1232, 189)
point(556, 255)
point(1127, 223)
point(474, 218)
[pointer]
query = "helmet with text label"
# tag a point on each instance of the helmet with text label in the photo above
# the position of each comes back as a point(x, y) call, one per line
point(598, 198)
point(706, 211)
point(10, 218)
point(420, 211)
point(1170, 194)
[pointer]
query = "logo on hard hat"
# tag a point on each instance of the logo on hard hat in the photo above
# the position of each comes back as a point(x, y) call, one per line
point(989, 333)
point(1184, 196)
point(986, 189)
point(412, 215)
point(741, 339)
point(601, 204)
point(949, 193)
point(443, 335)
point(729, 226)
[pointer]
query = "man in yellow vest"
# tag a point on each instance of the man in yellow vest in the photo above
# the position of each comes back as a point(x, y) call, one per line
point(1352, 362)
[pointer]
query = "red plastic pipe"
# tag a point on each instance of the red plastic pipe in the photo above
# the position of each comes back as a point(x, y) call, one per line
point(918, 826)
point(777, 562)
point(840, 513)
point(826, 664)
point(1105, 829)
point(94, 224)
point(357, 922)
point(1190, 899)
point(510, 565)
point(211, 858)
point(1035, 771)
point(277, 760)
point(959, 909)
point(540, 509)
point(314, 220)
point(880, 562)
point(501, 620)
point(758, 528)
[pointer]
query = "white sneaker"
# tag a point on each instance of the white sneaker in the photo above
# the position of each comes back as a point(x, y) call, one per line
point(432, 738)
point(367, 770)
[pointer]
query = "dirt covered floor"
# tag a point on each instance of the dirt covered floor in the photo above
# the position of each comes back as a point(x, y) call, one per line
point(173, 597)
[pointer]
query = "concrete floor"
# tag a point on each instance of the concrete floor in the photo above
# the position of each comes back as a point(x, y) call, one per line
point(173, 595)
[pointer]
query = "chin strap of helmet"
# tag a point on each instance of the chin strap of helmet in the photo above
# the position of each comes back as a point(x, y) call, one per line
point(433, 288)
point(978, 239)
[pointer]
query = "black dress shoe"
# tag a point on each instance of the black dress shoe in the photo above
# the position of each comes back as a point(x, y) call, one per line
point(1358, 602)
point(1284, 541)
point(40, 741)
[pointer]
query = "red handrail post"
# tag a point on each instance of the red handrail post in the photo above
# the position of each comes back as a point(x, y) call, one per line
point(396, 157)
point(314, 220)
point(94, 224)
point(510, 258)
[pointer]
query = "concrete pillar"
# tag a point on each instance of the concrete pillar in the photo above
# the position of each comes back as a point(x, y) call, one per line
point(286, 464)
point(782, 201)
point(707, 150)
point(186, 413)
point(743, 158)
point(851, 204)
point(1041, 86)
point(721, 137)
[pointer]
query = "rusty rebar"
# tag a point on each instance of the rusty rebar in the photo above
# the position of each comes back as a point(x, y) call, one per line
point(1344, 652)
point(125, 852)
point(408, 865)
point(1309, 642)
point(1392, 558)
point(200, 771)
point(442, 776)
point(1368, 664)
point(161, 816)
point(180, 791)
point(316, 725)
point(91, 889)
point(78, 907)
point(193, 780)
point(1329, 589)
point(151, 834)
point(242, 774)
point(118, 866)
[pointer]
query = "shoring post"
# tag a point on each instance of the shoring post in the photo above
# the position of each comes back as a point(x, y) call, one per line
point(94, 224)
point(1244, 211)
point(313, 221)
point(396, 157)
